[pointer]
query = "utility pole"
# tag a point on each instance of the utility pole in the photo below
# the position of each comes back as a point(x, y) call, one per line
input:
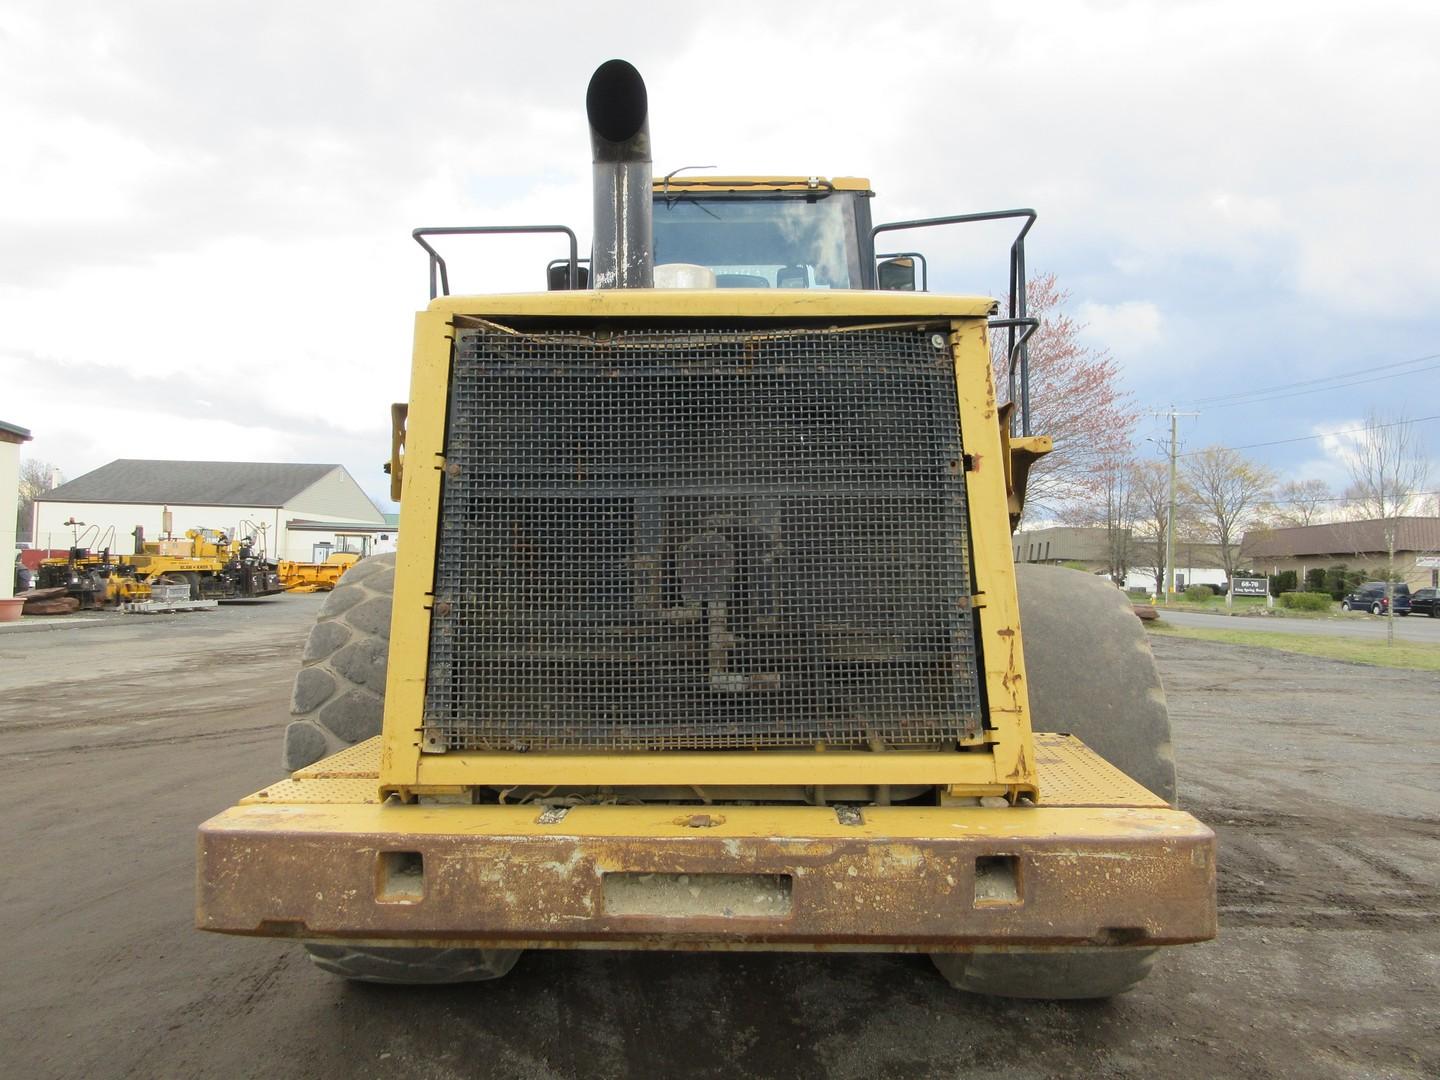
point(1170, 515)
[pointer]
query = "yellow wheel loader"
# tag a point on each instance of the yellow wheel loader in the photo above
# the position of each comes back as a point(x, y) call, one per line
point(704, 633)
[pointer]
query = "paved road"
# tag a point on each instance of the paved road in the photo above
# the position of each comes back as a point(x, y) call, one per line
point(1407, 628)
point(121, 736)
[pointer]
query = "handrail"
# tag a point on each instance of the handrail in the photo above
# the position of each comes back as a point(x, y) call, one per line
point(437, 262)
point(1019, 314)
point(1018, 346)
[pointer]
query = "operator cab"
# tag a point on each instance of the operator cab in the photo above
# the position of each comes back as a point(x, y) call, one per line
point(781, 233)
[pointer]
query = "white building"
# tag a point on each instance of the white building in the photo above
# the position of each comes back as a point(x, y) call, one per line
point(10, 439)
point(302, 512)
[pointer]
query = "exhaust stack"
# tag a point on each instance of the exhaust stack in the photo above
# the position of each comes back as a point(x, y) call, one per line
point(618, 109)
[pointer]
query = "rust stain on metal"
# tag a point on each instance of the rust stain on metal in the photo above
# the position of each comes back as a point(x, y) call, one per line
point(1022, 771)
point(1011, 678)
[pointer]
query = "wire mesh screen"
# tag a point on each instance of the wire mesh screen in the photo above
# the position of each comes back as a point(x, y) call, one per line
point(702, 540)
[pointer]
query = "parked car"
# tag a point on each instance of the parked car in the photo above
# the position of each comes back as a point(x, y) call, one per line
point(1371, 597)
point(24, 577)
point(1425, 601)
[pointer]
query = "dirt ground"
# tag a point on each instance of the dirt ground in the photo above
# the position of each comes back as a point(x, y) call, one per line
point(1322, 779)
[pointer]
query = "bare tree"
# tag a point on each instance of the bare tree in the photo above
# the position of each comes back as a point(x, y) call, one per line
point(1302, 502)
point(36, 478)
point(1388, 468)
point(1149, 483)
point(1388, 472)
point(1111, 509)
point(1075, 398)
point(1230, 494)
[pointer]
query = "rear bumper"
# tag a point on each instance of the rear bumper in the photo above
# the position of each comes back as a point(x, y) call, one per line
point(743, 877)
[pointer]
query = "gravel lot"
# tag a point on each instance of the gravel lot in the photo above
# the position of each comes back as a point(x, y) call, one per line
point(124, 733)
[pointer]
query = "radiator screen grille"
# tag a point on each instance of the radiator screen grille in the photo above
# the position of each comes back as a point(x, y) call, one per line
point(728, 539)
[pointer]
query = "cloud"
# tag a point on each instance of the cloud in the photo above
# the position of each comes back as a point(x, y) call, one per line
point(1131, 326)
point(218, 204)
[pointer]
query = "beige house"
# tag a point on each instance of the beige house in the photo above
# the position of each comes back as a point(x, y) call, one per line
point(1360, 545)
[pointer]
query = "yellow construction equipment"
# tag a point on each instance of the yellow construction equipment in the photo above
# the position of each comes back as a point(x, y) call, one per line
point(303, 577)
point(704, 631)
point(212, 564)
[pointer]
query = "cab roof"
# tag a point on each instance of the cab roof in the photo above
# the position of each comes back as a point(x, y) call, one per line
point(699, 184)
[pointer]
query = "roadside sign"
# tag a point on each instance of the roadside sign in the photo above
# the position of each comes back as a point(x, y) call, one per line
point(1429, 562)
point(1250, 586)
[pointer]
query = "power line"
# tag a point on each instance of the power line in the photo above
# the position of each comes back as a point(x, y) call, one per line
point(1321, 379)
point(1321, 389)
point(1362, 498)
point(1322, 435)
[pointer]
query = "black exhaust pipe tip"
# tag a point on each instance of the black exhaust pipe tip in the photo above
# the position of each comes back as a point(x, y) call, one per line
point(616, 101)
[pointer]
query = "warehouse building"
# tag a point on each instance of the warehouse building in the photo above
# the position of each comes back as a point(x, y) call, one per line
point(302, 512)
point(1358, 545)
point(1096, 550)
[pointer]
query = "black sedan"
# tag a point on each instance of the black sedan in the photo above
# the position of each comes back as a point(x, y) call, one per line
point(1424, 602)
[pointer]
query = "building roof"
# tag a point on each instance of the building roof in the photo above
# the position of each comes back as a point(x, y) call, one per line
point(191, 483)
point(14, 433)
point(310, 525)
point(1343, 538)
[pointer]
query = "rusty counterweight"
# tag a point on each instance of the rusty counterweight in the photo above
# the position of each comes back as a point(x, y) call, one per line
point(759, 877)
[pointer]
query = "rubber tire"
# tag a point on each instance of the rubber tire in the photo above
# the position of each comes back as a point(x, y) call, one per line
point(192, 579)
point(339, 694)
point(1345, 605)
point(1374, 609)
point(1074, 975)
point(339, 700)
point(406, 966)
point(1090, 673)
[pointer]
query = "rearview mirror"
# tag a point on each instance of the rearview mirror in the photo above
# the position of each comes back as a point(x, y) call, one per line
point(558, 275)
point(897, 274)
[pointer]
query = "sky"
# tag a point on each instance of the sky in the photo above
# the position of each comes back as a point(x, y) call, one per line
point(205, 209)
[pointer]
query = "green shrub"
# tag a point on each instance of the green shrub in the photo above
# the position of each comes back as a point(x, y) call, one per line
point(1286, 581)
point(1305, 601)
point(1315, 580)
point(1198, 594)
point(1340, 580)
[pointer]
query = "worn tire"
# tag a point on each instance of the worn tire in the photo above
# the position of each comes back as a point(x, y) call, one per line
point(190, 578)
point(339, 694)
point(1074, 975)
point(407, 966)
point(339, 699)
point(1090, 673)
